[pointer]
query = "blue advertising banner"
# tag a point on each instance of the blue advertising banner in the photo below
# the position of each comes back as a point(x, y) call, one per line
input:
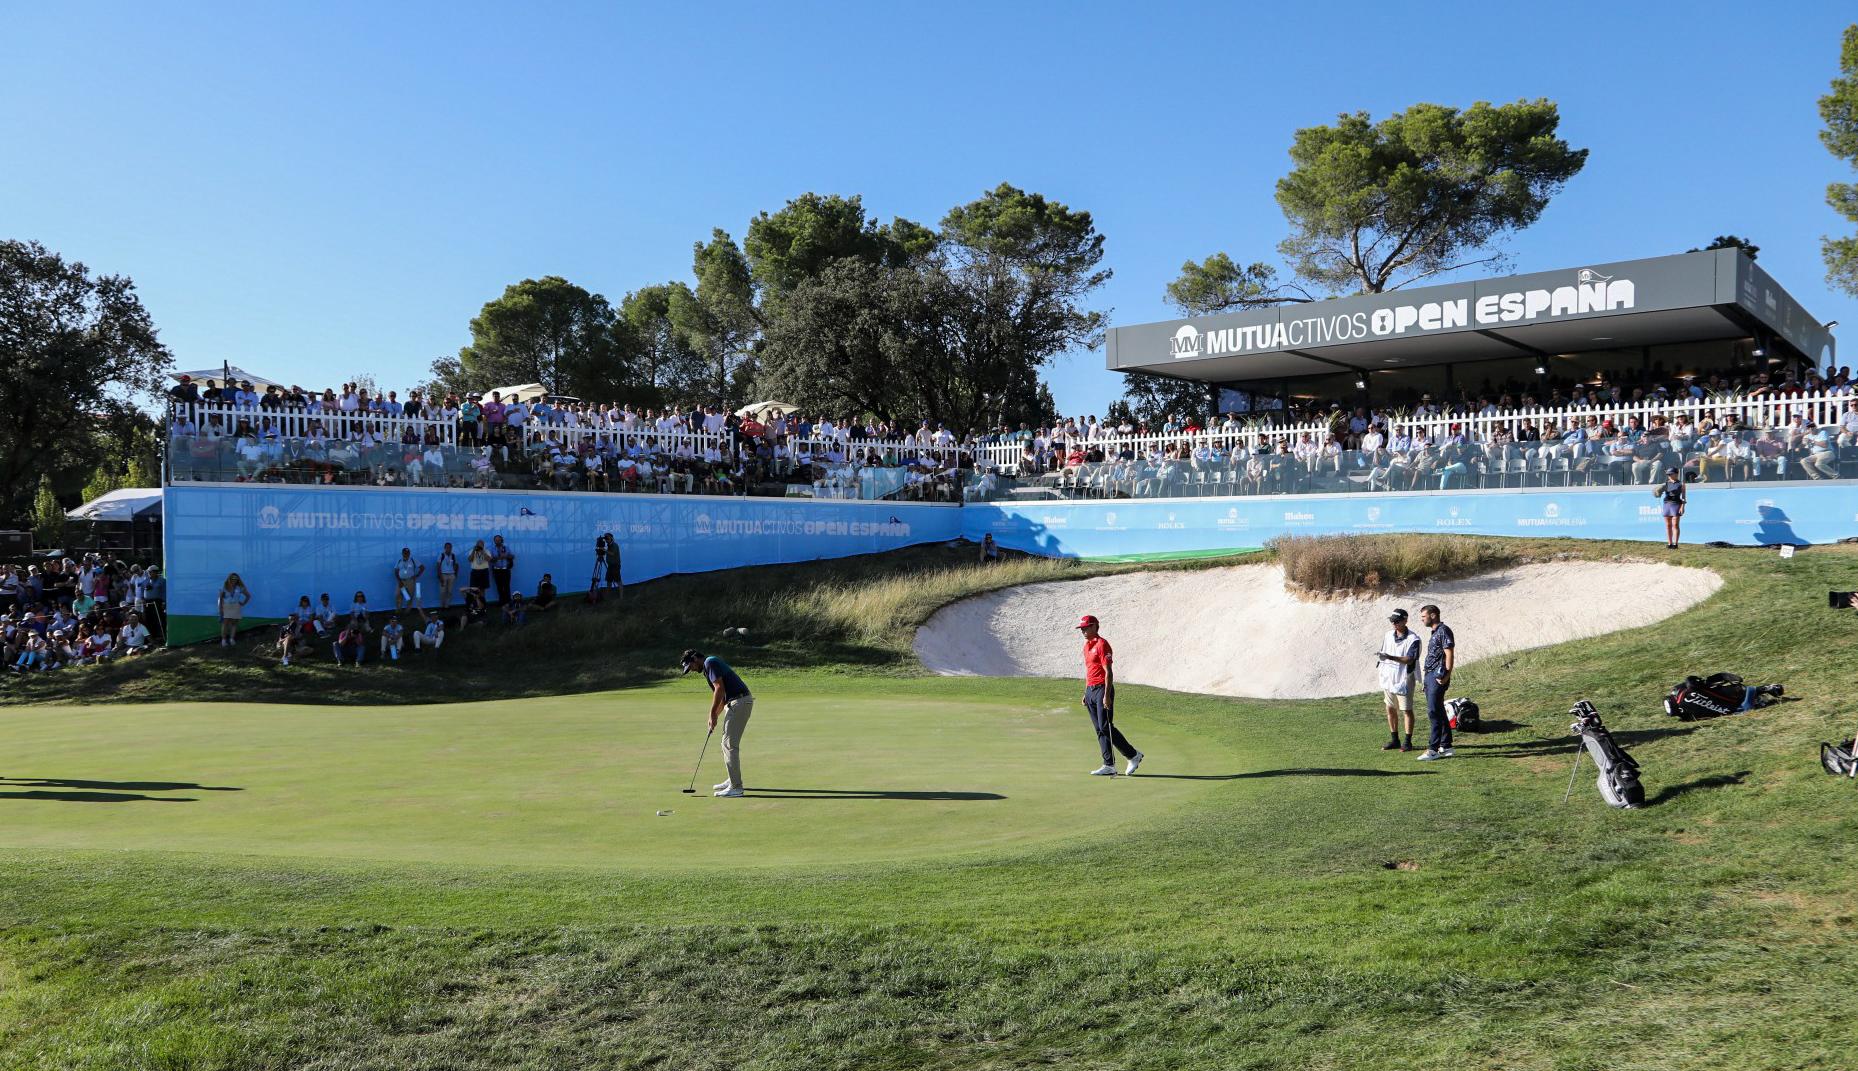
point(286, 540)
point(1743, 515)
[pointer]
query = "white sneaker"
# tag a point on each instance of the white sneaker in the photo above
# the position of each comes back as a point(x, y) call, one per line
point(1446, 753)
point(719, 786)
point(1429, 755)
point(1133, 763)
point(729, 792)
point(287, 661)
point(1106, 770)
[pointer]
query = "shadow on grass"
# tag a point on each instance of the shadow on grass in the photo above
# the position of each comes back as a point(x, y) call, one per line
point(1297, 771)
point(94, 797)
point(1671, 792)
point(114, 786)
point(862, 794)
point(1492, 726)
point(1520, 749)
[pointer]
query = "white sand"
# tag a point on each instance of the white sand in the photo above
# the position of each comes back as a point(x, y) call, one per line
point(1238, 631)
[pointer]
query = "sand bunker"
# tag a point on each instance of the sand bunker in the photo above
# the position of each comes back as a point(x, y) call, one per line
point(1238, 632)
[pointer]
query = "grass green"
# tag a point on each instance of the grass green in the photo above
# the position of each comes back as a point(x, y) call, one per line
point(1311, 903)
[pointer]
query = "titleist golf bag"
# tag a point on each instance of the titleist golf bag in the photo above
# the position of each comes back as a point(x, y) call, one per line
point(1839, 760)
point(1463, 715)
point(1619, 774)
point(1695, 698)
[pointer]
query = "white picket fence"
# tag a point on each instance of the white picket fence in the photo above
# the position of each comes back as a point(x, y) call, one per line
point(1763, 412)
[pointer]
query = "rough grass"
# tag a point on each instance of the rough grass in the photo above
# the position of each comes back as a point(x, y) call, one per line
point(1350, 564)
point(1259, 926)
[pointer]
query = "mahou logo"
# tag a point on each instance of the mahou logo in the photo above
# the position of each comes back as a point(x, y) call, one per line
point(270, 517)
point(703, 525)
point(1186, 342)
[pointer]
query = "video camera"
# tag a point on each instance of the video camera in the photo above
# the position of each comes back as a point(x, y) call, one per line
point(1841, 600)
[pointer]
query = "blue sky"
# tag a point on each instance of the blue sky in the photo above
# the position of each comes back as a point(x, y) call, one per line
point(336, 190)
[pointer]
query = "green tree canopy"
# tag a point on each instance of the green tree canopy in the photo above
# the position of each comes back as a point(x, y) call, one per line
point(1839, 110)
point(546, 331)
point(75, 352)
point(812, 231)
point(1730, 241)
point(719, 319)
point(1374, 206)
point(665, 365)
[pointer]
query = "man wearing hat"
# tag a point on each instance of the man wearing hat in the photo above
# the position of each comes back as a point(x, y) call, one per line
point(1100, 700)
point(1399, 654)
point(730, 700)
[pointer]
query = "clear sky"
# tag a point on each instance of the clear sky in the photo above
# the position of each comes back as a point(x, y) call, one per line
point(336, 190)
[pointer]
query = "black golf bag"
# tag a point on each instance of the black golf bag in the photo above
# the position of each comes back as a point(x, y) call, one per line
point(1463, 715)
point(1839, 759)
point(1619, 774)
point(1695, 698)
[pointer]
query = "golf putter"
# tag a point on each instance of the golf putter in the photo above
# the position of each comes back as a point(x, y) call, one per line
point(692, 790)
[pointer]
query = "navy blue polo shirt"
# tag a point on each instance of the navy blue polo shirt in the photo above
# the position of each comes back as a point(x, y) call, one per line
point(1435, 648)
point(715, 669)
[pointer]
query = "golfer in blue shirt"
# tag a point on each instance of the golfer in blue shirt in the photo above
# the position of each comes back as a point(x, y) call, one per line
point(1441, 653)
point(731, 701)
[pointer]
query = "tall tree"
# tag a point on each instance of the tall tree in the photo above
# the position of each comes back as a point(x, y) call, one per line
point(1376, 206)
point(1730, 241)
point(719, 319)
point(1218, 284)
point(664, 364)
point(1839, 110)
point(812, 231)
point(546, 331)
point(73, 349)
point(846, 339)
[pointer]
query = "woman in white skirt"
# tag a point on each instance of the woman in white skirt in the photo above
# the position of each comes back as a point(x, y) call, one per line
point(233, 595)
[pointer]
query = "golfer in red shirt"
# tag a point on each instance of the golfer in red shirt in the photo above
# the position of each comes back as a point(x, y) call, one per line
point(1100, 700)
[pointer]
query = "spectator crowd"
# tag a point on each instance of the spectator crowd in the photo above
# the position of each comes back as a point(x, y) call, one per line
point(65, 612)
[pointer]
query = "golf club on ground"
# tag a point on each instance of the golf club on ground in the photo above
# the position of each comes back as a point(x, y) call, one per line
point(692, 790)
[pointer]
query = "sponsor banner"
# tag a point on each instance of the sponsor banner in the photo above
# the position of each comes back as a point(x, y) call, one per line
point(1759, 515)
point(287, 541)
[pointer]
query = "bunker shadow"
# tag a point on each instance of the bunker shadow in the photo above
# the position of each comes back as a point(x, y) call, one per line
point(864, 794)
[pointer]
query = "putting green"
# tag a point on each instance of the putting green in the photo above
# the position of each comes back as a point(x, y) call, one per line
point(839, 772)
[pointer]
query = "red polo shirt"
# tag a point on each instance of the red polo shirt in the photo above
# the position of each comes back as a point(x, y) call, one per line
point(1097, 659)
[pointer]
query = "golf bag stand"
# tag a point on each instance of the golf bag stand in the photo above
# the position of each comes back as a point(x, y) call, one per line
point(1618, 780)
point(1696, 698)
point(1463, 715)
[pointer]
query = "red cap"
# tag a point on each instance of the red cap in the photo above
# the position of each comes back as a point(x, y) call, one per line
point(1087, 621)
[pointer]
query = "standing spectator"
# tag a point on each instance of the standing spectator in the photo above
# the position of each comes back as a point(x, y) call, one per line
point(233, 595)
point(502, 563)
point(613, 581)
point(406, 580)
point(1100, 700)
point(1441, 654)
point(448, 576)
point(479, 561)
point(393, 640)
point(1672, 492)
point(1399, 654)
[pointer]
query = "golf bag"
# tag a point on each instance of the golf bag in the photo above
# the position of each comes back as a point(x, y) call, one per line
point(1463, 715)
point(1695, 698)
point(1618, 781)
point(1839, 760)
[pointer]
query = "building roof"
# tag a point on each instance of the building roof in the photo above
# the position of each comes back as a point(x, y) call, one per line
point(1689, 297)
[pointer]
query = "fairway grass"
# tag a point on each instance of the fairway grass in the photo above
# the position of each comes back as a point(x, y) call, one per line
point(1298, 899)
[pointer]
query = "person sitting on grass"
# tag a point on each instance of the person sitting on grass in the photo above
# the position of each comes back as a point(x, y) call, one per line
point(431, 633)
point(476, 611)
point(352, 642)
point(289, 634)
point(95, 645)
point(515, 611)
point(544, 593)
point(134, 636)
point(393, 640)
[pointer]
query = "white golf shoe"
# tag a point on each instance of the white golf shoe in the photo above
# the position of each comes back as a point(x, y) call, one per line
point(719, 787)
point(727, 792)
point(1134, 762)
point(1105, 770)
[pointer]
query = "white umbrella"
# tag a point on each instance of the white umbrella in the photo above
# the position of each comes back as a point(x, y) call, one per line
point(761, 409)
point(226, 373)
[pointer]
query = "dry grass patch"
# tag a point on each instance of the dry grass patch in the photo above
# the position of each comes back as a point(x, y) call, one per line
point(1349, 565)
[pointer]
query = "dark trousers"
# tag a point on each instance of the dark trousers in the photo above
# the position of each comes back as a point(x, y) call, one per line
point(501, 578)
point(1102, 720)
point(1435, 713)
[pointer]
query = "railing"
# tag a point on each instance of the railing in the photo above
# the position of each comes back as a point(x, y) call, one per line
point(1763, 412)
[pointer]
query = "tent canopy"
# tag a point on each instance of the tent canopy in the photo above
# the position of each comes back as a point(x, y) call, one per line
point(760, 410)
point(123, 504)
point(223, 374)
point(522, 392)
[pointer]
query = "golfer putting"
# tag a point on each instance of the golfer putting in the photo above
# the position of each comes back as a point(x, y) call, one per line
point(1100, 700)
point(731, 702)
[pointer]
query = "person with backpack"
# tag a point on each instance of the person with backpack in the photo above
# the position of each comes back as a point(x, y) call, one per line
point(407, 572)
point(1399, 656)
point(448, 575)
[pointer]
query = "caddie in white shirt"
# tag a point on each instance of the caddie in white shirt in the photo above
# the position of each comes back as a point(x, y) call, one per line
point(1398, 657)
